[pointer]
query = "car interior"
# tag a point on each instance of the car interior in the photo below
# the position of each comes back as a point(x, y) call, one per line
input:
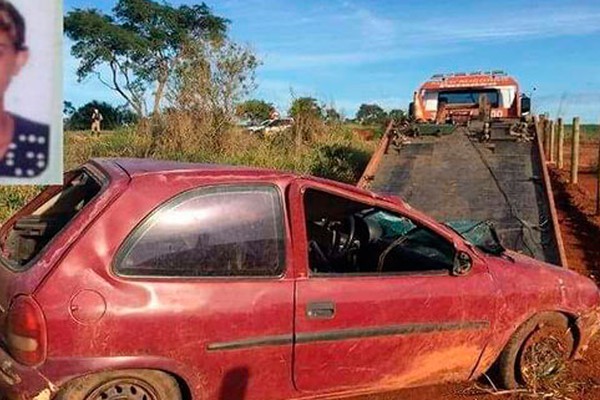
point(349, 237)
point(31, 233)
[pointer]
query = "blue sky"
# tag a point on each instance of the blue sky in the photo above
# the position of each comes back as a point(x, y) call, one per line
point(348, 52)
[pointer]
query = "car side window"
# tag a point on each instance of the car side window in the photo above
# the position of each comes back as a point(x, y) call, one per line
point(217, 231)
point(350, 237)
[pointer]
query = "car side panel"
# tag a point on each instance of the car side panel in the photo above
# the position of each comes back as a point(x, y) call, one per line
point(526, 290)
point(228, 338)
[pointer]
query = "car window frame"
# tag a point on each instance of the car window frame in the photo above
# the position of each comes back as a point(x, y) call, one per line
point(165, 205)
point(379, 206)
point(103, 180)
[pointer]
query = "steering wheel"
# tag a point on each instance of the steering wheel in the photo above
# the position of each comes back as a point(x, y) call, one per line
point(339, 244)
point(391, 246)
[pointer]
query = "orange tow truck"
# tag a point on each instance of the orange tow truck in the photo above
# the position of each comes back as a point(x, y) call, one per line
point(461, 97)
point(471, 153)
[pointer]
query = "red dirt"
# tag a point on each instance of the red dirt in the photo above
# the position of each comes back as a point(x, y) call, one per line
point(588, 156)
point(580, 229)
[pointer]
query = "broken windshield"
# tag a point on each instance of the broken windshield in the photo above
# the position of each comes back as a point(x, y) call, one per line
point(481, 234)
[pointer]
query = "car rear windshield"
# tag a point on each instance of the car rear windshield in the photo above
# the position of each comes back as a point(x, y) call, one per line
point(31, 232)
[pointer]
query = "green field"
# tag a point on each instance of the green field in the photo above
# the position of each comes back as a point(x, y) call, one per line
point(589, 132)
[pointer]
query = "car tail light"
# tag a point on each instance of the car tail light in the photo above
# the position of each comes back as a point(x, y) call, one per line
point(26, 331)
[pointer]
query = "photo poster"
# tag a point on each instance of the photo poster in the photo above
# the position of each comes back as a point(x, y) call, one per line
point(31, 126)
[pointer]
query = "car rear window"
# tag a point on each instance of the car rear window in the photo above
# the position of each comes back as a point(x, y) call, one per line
point(217, 231)
point(32, 232)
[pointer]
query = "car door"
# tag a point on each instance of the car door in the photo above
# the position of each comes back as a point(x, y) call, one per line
point(387, 330)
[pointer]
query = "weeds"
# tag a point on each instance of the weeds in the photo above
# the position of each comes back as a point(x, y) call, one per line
point(334, 152)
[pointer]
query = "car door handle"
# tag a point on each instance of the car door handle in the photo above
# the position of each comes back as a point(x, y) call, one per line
point(320, 310)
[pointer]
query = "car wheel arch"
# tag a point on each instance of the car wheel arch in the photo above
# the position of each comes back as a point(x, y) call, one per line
point(182, 383)
point(485, 367)
point(531, 319)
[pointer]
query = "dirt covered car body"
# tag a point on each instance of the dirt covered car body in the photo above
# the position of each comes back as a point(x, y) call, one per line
point(175, 280)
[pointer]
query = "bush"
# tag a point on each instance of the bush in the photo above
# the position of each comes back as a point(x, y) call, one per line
point(339, 162)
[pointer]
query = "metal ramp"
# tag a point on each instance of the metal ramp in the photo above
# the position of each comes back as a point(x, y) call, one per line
point(456, 177)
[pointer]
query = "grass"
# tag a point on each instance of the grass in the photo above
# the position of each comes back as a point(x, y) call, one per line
point(589, 132)
point(336, 153)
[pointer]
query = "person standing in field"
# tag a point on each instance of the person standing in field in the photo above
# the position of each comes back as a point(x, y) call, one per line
point(23, 143)
point(96, 120)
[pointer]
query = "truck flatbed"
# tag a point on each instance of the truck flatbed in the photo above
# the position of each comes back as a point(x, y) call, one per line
point(458, 177)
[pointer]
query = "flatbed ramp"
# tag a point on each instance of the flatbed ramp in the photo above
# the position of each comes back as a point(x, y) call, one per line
point(457, 177)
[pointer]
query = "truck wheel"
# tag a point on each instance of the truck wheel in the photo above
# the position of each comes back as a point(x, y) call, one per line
point(122, 385)
point(538, 352)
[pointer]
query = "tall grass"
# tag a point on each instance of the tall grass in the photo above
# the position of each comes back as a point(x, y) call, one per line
point(334, 152)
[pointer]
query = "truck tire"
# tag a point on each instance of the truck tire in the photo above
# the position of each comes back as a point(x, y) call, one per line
point(537, 352)
point(125, 384)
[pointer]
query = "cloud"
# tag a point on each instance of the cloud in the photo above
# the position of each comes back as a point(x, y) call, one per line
point(570, 104)
point(295, 61)
point(370, 24)
point(508, 26)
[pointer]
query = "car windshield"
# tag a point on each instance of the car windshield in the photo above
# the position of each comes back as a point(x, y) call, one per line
point(479, 233)
point(469, 97)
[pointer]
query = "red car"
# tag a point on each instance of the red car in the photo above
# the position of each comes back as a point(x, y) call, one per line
point(142, 279)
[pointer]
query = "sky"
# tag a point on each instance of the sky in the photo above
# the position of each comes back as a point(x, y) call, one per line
point(349, 52)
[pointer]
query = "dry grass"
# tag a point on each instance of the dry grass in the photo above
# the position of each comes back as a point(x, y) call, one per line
point(333, 151)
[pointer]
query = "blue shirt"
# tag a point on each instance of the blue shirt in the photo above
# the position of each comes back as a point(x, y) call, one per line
point(27, 154)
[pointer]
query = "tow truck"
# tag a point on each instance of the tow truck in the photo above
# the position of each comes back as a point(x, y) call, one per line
point(472, 154)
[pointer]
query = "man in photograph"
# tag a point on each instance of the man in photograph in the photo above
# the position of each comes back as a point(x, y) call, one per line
point(23, 143)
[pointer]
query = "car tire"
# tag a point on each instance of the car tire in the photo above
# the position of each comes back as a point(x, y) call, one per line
point(135, 384)
point(537, 352)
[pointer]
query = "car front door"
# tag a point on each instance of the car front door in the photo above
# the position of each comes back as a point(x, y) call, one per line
point(386, 330)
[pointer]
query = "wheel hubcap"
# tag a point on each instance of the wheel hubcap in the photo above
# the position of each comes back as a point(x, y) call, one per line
point(124, 389)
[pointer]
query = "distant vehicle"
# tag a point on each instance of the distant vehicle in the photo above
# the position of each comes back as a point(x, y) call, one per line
point(461, 97)
point(157, 280)
point(272, 127)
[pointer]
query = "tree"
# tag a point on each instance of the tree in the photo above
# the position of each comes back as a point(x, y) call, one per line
point(397, 114)
point(142, 43)
point(204, 92)
point(306, 107)
point(255, 110)
point(369, 114)
point(113, 117)
point(68, 109)
point(332, 115)
point(308, 118)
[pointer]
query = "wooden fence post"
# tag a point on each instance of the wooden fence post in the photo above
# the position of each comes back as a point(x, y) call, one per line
point(561, 142)
point(598, 185)
point(552, 142)
point(575, 152)
point(547, 138)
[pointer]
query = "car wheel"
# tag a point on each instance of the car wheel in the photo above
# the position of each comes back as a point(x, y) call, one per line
point(123, 385)
point(538, 352)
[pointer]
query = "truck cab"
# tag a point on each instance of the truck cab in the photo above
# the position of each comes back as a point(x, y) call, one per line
point(461, 97)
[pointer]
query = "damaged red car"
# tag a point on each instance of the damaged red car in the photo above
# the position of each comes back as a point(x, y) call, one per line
point(143, 279)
